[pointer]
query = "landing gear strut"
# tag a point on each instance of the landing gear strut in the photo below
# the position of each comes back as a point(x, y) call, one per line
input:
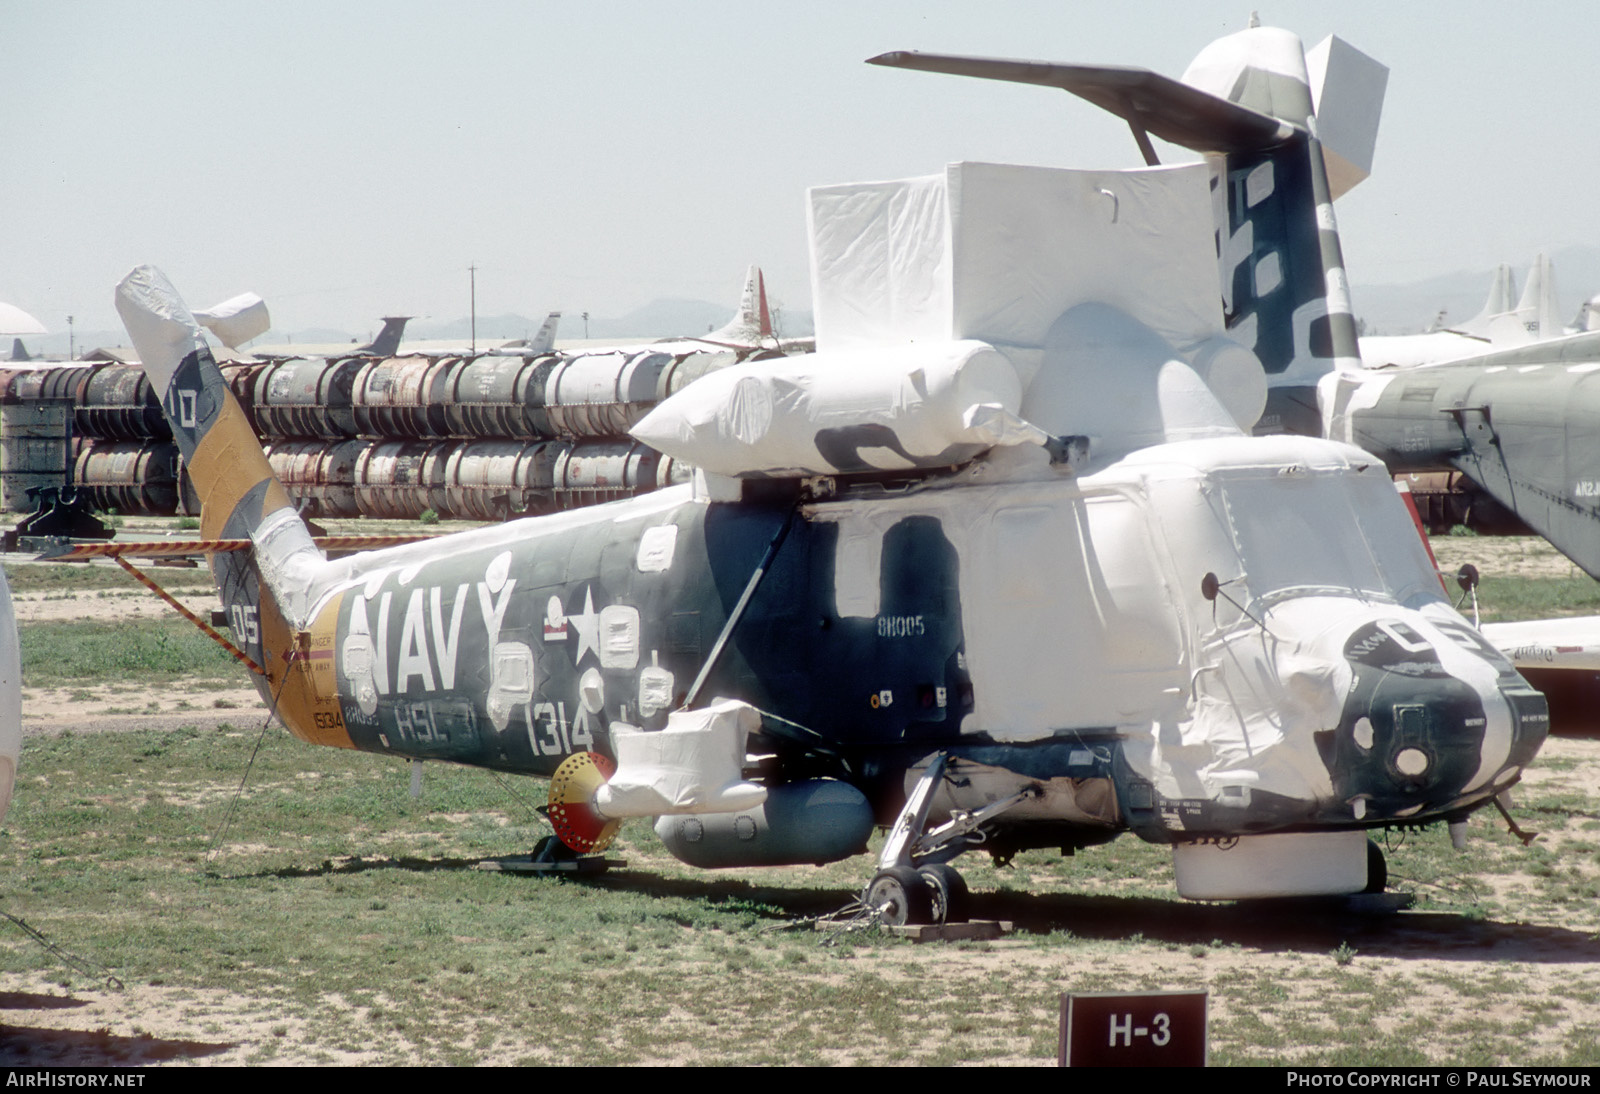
point(912, 885)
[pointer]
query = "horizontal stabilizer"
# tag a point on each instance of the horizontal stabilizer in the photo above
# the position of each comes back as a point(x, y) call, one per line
point(1573, 349)
point(236, 320)
point(1148, 101)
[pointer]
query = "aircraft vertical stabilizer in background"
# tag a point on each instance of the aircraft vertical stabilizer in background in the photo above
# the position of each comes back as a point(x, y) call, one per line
point(14, 321)
point(1534, 318)
point(1588, 317)
point(542, 342)
point(1502, 292)
point(999, 570)
point(387, 343)
point(751, 325)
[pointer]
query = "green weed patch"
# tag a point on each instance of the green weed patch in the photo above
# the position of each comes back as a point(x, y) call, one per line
point(82, 651)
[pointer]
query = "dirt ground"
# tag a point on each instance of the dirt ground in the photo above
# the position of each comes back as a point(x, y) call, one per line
point(128, 704)
point(1496, 556)
point(41, 1024)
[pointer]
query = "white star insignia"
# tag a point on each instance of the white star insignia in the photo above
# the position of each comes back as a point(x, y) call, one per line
point(587, 624)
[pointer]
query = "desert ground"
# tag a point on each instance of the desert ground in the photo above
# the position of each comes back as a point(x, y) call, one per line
point(382, 943)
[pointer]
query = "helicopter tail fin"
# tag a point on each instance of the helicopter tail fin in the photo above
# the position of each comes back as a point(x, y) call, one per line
point(1247, 102)
point(240, 496)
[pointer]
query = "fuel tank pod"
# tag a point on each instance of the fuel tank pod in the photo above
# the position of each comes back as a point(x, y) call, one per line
point(811, 822)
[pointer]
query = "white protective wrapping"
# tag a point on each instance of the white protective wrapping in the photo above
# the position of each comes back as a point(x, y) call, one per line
point(997, 252)
point(880, 261)
point(692, 766)
point(13, 320)
point(1109, 377)
point(766, 418)
point(1263, 68)
point(1347, 87)
point(1287, 864)
point(236, 320)
point(1001, 253)
point(165, 332)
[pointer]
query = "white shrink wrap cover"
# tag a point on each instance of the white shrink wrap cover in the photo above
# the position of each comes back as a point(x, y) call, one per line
point(236, 320)
point(693, 766)
point(13, 320)
point(1348, 88)
point(1107, 376)
point(872, 408)
point(998, 252)
point(880, 261)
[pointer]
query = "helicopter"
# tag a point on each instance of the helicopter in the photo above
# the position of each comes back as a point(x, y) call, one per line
point(999, 566)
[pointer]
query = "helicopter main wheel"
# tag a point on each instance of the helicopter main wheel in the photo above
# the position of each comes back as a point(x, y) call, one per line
point(949, 888)
point(1377, 869)
point(901, 896)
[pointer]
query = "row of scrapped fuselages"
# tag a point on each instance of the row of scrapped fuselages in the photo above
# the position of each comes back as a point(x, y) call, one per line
point(483, 437)
point(569, 396)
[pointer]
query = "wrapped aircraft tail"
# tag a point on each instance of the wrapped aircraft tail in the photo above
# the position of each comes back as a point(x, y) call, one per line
point(240, 497)
point(1247, 103)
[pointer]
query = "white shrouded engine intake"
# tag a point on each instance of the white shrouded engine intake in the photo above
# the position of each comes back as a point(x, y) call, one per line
point(878, 408)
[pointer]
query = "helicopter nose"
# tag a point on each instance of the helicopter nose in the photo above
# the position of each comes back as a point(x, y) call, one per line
point(1412, 743)
point(1429, 725)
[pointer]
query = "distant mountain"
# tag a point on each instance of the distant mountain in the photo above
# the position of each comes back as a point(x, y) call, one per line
point(1385, 309)
point(662, 318)
point(1412, 307)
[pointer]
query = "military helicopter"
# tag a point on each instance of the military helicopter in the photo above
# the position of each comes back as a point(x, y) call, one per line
point(998, 566)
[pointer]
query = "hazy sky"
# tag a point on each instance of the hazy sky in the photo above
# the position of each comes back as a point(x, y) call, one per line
point(351, 158)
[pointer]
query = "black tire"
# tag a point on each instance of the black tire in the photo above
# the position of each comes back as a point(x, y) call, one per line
point(950, 899)
point(901, 895)
point(1377, 869)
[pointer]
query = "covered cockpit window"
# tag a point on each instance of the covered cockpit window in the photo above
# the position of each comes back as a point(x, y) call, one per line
point(1337, 531)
